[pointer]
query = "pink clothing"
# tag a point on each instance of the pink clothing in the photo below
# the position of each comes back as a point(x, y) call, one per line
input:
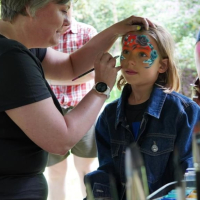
point(73, 39)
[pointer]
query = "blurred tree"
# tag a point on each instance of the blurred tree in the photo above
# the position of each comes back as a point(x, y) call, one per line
point(180, 17)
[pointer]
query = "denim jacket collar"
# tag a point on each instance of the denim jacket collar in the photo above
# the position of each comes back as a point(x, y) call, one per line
point(154, 108)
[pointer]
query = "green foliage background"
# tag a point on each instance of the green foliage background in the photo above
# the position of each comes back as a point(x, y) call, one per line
point(180, 17)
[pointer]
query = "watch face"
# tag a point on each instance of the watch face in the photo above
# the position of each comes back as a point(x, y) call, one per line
point(101, 87)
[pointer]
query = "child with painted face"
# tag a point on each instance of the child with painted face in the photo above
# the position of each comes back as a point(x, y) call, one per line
point(150, 113)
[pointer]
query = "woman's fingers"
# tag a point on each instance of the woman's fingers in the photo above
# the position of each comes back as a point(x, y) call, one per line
point(142, 20)
point(133, 23)
point(105, 70)
point(150, 23)
point(118, 68)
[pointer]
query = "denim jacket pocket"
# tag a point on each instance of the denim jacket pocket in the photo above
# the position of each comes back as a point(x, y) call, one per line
point(101, 192)
point(115, 146)
point(156, 149)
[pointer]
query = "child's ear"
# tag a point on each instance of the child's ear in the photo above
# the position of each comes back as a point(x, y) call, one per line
point(164, 64)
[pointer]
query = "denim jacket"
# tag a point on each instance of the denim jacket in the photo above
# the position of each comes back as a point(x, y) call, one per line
point(167, 122)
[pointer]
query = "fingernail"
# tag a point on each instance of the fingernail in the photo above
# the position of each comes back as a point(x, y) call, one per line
point(138, 28)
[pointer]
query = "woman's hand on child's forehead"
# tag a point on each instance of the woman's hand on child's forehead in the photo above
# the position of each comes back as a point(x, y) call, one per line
point(143, 23)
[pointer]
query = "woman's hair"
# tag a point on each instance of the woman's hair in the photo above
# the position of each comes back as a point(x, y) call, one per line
point(11, 8)
point(169, 80)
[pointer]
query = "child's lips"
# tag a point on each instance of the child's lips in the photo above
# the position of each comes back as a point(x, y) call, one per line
point(131, 72)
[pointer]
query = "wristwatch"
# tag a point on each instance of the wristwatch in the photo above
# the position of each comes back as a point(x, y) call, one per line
point(102, 88)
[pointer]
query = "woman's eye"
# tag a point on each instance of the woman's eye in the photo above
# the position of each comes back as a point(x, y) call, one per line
point(125, 51)
point(68, 7)
point(65, 9)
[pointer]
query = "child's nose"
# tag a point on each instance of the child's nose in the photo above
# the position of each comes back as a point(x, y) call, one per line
point(131, 59)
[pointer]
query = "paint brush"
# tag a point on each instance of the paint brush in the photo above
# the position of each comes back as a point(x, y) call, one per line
point(88, 72)
point(136, 179)
point(196, 156)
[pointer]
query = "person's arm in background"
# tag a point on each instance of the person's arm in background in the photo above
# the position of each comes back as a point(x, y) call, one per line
point(197, 54)
point(196, 87)
point(59, 66)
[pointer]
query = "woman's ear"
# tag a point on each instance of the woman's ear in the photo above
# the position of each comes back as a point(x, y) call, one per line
point(164, 64)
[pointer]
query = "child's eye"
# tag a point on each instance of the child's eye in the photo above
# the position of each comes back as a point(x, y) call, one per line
point(125, 51)
point(143, 54)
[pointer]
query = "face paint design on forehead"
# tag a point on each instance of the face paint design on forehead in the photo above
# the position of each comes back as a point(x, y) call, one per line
point(137, 41)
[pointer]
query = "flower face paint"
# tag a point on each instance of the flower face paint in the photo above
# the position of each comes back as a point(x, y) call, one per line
point(140, 43)
point(122, 57)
